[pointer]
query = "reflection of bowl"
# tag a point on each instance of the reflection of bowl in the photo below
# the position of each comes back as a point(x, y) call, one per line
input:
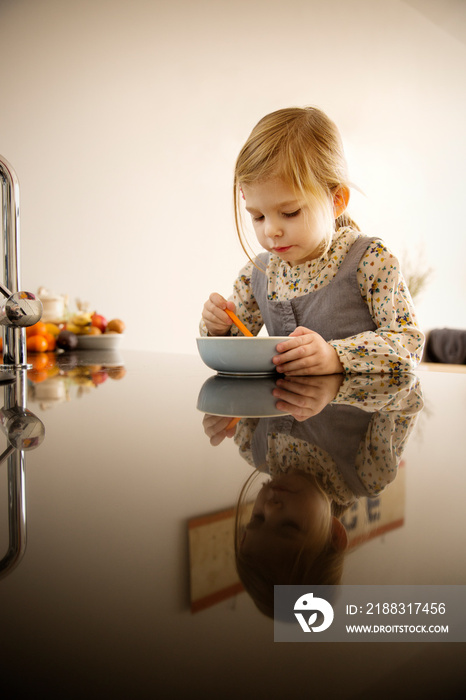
point(240, 355)
point(104, 341)
point(52, 391)
point(235, 396)
point(107, 357)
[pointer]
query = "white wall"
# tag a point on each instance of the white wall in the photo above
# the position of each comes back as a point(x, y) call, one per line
point(123, 121)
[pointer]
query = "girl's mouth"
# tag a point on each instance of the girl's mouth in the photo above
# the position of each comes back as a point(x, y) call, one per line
point(283, 249)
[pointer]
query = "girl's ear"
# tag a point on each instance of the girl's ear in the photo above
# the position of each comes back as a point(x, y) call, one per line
point(339, 535)
point(340, 200)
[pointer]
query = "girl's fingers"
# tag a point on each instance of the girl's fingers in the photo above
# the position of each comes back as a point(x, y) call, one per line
point(217, 300)
point(219, 303)
point(307, 385)
point(295, 388)
point(294, 400)
point(285, 407)
point(303, 349)
point(214, 424)
point(215, 318)
point(291, 364)
point(298, 413)
point(216, 440)
point(300, 336)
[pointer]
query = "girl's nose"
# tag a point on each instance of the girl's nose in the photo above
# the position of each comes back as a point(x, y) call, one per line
point(272, 229)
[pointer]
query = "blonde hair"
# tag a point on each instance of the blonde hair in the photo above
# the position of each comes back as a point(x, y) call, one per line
point(318, 564)
point(302, 147)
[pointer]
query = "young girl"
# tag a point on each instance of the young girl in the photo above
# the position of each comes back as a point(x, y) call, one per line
point(338, 294)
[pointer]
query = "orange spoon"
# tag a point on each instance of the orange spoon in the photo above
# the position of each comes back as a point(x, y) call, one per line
point(232, 423)
point(237, 322)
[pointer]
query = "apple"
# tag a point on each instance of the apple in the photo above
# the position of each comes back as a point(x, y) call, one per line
point(99, 322)
point(99, 377)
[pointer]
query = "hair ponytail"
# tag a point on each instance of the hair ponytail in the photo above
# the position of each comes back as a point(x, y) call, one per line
point(344, 220)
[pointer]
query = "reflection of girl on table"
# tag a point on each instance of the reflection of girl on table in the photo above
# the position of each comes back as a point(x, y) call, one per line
point(338, 294)
point(353, 445)
point(319, 468)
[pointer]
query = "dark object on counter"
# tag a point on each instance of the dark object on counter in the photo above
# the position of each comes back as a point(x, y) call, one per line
point(66, 340)
point(447, 345)
point(67, 361)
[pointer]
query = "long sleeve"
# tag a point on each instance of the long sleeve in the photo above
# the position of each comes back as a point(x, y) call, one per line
point(396, 344)
point(399, 393)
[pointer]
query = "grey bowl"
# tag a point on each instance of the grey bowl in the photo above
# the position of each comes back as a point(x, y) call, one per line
point(239, 355)
point(239, 396)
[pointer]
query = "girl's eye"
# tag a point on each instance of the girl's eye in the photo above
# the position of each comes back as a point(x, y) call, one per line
point(257, 218)
point(258, 518)
point(290, 215)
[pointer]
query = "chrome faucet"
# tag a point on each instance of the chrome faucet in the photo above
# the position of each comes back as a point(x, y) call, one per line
point(24, 431)
point(17, 309)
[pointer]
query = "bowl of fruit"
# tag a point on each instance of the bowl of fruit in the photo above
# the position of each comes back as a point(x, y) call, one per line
point(83, 330)
point(93, 332)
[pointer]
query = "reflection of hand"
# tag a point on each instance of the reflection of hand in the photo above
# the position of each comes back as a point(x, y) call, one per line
point(216, 320)
point(304, 397)
point(216, 428)
point(306, 352)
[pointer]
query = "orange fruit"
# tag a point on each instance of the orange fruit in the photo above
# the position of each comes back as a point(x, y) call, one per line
point(52, 328)
point(38, 328)
point(39, 361)
point(116, 372)
point(37, 376)
point(115, 325)
point(36, 343)
point(51, 341)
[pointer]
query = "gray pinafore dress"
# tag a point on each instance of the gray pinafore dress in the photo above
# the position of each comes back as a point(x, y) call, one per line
point(335, 311)
point(338, 430)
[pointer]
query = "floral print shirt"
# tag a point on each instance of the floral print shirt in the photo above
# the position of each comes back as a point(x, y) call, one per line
point(397, 343)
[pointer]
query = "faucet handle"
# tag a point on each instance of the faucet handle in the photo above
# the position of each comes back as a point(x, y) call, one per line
point(19, 309)
point(23, 429)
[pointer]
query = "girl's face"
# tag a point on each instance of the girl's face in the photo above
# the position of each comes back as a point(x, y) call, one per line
point(288, 512)
point(283, 224)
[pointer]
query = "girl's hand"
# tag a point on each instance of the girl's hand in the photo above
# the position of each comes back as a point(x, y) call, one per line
point(304, 397)
point(216, 320)
point(306, 352)
point(216, 428)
